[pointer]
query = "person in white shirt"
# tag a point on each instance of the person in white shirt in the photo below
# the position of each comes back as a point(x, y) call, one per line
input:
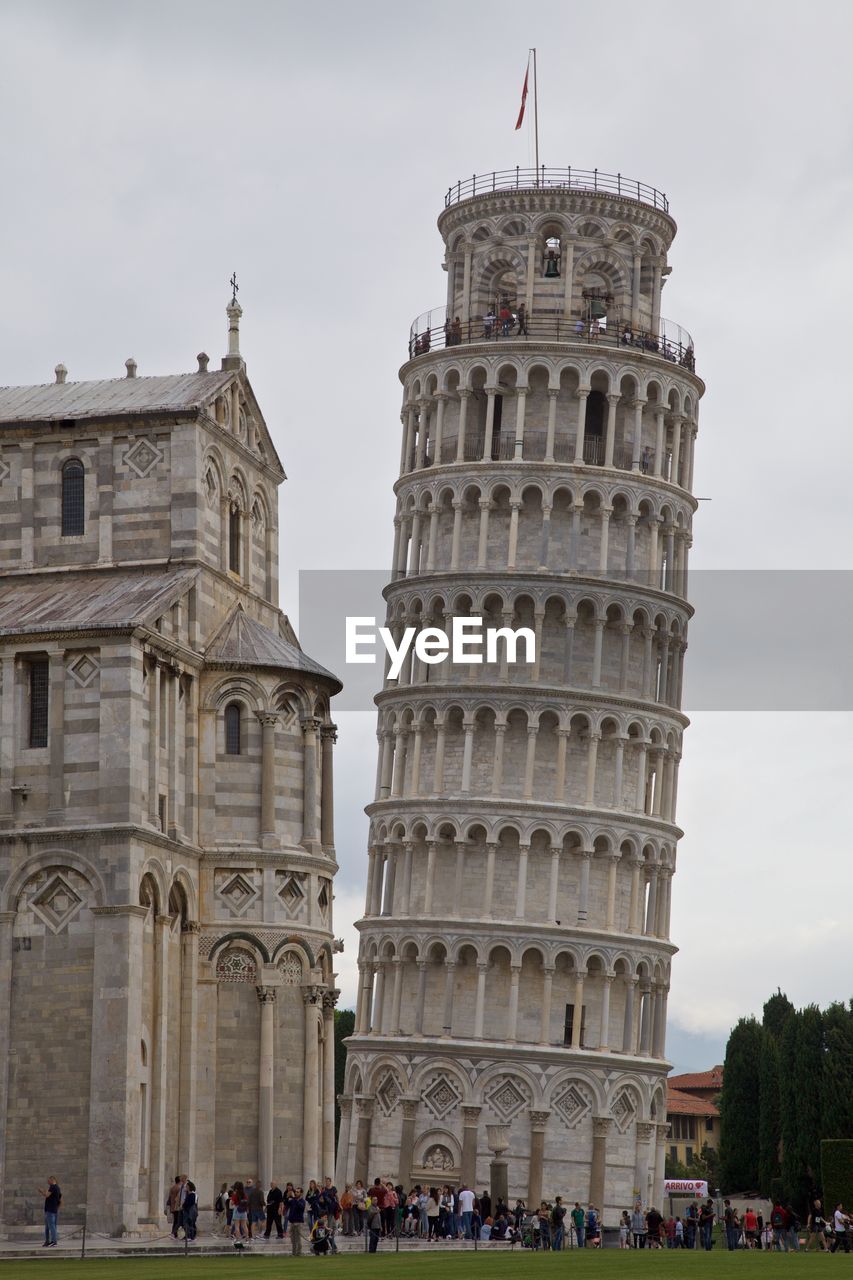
point(840, 1221)
point(466, 1204)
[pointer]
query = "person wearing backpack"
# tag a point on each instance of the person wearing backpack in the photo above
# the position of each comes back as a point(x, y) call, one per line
point(779, 1226)
point(558, 1213)
point(706, 1224)
point(731, 1225)
point(792, 1229)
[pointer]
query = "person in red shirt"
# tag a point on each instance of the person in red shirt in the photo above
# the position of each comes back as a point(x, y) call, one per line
point(750, 1228)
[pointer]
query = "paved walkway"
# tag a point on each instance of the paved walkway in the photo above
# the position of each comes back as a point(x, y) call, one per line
point(71, 1245)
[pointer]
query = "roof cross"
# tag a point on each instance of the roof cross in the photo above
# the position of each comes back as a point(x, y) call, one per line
point(235, 288)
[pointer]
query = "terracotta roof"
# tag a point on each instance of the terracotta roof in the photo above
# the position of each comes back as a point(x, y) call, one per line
point(243, 642)
point(104, 398)
point(88, 601)
point(712, 1079)
point(686, 1104)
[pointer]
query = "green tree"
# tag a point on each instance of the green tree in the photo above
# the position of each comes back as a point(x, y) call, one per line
point(777, 1011)
point(739, 1109)
point(344, 1026)
point(769, 1120)
point(801, 1073)
point(837, 1102)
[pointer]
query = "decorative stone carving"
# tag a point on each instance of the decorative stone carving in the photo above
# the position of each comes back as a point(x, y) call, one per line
point(441, 1095)
point(235, 965)
point(237, 892)
point(388, 1092)
point(439, 1159)
point(291, 893)
point(623, 1110)
point(142, 457)
point(290, 968)
point(572, 1104)
point(83, 669)
point(507, 1096)
point(57, 903)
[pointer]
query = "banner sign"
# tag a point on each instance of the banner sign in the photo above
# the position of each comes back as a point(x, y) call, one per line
point(685, 1187)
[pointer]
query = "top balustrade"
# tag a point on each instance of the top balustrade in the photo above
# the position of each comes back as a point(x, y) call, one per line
point(436, 330)
point(591, 181)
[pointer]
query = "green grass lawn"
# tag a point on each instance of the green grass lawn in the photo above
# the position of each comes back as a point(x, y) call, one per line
point(520, 1264)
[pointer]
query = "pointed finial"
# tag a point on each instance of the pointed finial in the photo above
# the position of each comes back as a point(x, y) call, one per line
point(203, 359)
point(234, 311)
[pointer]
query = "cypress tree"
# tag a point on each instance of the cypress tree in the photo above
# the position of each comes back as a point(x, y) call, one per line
point(788, 1106)
point(740, 1109)
point(777, 1011)
point(769, 1131)
point(837, 1102)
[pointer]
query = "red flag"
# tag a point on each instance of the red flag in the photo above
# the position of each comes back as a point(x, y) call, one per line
point(523, 98)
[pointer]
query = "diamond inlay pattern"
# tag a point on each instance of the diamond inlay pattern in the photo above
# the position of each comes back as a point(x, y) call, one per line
point(441, 1096)
point(572, 1103)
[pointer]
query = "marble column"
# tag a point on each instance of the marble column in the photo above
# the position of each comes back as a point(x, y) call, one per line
point(470, 1119)
point(345, 1102)
point(269, 721)
point(538, 1123)
point(407, 1139)
point(604, 1026)
point(327, 1123)
point(361, 1171)
point(153, 742)
point(601, 1126)
point(310, 726)
point(7, 924)
point(580, 428)
point(547, 990)
point(159, 1077)
point(628, 1021)
point(266, 1083)
point(512, 1019)
point(328, 738)
point(189, 1029)
point(480, 1008)
point(645, 1133)
point(112, 1188)
point(312, 997)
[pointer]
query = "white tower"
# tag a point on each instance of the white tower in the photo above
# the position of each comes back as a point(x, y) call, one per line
point(515, 952)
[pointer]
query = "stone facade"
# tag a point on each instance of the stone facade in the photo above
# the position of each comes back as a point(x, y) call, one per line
point(166, 840)
point(515, 952)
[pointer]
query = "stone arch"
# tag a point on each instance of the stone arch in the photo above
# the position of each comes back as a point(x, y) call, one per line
point(44, 861)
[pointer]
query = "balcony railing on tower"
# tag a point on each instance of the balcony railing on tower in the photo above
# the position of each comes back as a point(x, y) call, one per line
point(436, 329)
point(568, 179)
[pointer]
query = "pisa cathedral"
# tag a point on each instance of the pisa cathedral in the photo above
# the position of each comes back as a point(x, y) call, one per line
point(514, 951)
point(166, 788)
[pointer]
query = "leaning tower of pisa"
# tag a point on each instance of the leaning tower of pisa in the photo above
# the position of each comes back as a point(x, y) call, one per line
point(515, 951)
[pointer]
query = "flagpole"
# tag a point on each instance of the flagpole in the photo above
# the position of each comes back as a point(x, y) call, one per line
point(536, 115)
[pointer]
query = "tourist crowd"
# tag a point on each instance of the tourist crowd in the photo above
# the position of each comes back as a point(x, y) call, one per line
point(748, 1230)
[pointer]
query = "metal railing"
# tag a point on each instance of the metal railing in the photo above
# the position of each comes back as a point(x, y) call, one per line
point(568, 179)
point(436, 331)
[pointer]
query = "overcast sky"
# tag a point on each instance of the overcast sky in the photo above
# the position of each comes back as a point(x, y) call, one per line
point(149, 150)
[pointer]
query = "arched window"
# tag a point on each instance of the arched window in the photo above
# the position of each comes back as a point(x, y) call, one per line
point(73, 499)
point(234, 538)
point(233, 729)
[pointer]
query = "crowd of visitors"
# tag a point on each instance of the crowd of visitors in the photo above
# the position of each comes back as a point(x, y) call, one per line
point(382, 1210)
point(506, 322)
point(781, 1232)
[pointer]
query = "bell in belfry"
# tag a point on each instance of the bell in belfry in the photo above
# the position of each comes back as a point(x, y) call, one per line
point(597, 309)
point(552, 266)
